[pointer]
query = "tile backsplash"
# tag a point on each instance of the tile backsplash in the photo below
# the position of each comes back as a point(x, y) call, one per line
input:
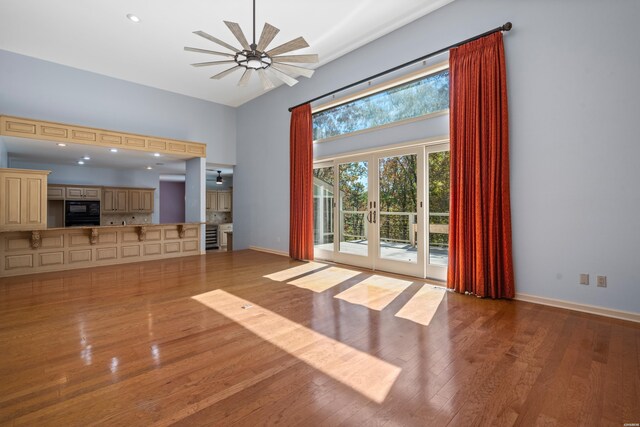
point(218, 217)
point(116, 219)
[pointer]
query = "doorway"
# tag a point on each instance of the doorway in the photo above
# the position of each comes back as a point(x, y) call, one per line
point(385, 210)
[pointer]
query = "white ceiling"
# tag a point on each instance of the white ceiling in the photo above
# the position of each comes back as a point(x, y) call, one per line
point(96, 36)
point(32, 150)
point(48, 152)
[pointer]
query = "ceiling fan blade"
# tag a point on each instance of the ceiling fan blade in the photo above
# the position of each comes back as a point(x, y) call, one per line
point(307, 59)
point(244, 80)
point(225, 72)
point(294, 44)
point(215, 40)
point(268, 34)
point(211, 52)
point(266, 82)
point(206, 64)
point(293, 69)
point(282, 76)
point(239, 35)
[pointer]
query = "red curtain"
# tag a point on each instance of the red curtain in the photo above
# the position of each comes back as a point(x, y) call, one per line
point(301, 184)
point(480, 260)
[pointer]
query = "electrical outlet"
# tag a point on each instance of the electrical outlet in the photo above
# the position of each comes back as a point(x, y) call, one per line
point(602, 281)
point(584, 279)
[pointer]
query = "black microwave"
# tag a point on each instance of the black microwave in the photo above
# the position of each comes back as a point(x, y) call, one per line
point(81, 212)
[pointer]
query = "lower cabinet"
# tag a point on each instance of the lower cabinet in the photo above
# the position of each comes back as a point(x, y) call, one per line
point(222, 233)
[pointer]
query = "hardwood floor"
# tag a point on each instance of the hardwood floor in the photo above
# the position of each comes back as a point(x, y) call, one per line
point(211, 341)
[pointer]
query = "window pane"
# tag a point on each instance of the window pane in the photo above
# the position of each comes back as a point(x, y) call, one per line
point(398, 189)
point(427, 95)
point(323, 179)
point(354, 197)
point(439, 208)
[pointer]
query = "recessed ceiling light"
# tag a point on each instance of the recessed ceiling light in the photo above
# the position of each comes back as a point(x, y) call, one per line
point(133, 18)
point(156, 154)
point(62, 144)
point(114, 150)
point(149, 168)
point(87, 158)
point(80, 162)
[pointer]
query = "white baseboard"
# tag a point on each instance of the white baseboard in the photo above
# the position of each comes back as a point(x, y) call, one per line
point(269, 251)
point(585, 308)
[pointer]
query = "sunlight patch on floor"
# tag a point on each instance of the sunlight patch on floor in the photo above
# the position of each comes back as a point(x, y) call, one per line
point(423, 305)
point(290, 273)
point(374, 292)
point(324, 279)
point(366, 374)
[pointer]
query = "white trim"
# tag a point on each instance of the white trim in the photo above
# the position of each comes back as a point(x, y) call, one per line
point(442, 139)
point(585, 308)
point(269, 251)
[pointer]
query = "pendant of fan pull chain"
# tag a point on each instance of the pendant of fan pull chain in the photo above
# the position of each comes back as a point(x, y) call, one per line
point(270, 65)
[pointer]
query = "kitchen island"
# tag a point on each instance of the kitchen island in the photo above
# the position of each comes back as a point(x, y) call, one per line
point(56, 249)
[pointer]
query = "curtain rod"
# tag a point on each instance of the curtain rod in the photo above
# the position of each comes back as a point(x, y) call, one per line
point(505, 27)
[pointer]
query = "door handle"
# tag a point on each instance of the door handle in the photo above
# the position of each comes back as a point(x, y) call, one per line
point(374, 217)
point(369, 217)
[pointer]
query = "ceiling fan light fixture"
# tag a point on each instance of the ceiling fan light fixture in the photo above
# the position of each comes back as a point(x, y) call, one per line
point(256, 57)
point(219, 179)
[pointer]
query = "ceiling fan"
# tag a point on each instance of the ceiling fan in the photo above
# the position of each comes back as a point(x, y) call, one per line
point(268, 64)
point(218, 179)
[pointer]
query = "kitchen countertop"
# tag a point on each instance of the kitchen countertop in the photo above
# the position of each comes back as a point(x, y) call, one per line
point(84, 227)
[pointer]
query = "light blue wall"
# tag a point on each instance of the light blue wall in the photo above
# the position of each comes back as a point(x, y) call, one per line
point(195, 193)
point(3, 154)
point(38, 89)
point(64, 174)
point(574, 100)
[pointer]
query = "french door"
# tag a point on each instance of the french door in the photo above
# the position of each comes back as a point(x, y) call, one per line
point(371, 211)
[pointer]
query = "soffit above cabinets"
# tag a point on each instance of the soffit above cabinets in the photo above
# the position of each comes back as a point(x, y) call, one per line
point(96, 36)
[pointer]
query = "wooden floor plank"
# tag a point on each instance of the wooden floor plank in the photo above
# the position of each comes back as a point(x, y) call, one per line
point(130, 345)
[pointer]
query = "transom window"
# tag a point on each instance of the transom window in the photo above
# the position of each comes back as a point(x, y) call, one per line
point(423, 96)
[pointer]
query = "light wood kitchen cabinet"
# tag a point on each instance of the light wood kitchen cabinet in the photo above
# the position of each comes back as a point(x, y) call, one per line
point(115, 200)
point(55, 192)
point(218, 201)
point(82, 193)
point(222, 233)
point(141, 201)
point(23, 197)
point(212, 201)
point(224, 201)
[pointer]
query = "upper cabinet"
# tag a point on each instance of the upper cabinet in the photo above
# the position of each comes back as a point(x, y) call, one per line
point(212, 201)
point(82, 193)
point(56, 192)
point(141, 200)
point(115, 200)
point(218, 201)
point(23, 197)
point(224, 201)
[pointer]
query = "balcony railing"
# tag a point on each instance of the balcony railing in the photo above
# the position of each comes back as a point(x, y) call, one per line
point(398, 227)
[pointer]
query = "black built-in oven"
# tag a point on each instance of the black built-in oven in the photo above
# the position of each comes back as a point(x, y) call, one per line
point(81, 212)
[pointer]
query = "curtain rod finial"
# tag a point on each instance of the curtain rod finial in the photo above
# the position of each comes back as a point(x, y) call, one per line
point(507, 26)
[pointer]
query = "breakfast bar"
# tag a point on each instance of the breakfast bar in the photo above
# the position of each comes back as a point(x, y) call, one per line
point(55, 249)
